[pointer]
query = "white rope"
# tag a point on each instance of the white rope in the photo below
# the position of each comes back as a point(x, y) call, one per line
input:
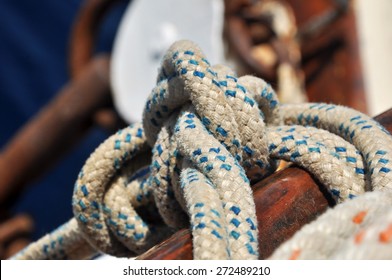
point(212, 134)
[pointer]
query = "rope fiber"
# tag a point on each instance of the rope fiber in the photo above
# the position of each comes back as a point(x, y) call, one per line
point(213, 134)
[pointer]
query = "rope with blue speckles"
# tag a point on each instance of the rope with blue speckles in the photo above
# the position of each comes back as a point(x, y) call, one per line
point(212, 135)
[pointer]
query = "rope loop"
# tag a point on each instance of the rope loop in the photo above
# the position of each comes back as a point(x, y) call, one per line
point(227, 109)
point(202, 119)
point(211, 134)
point(105, 196)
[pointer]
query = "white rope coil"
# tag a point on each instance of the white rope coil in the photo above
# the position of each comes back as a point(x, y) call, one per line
point(212, 134)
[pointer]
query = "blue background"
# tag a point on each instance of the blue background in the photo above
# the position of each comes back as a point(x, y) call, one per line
point(34, 40)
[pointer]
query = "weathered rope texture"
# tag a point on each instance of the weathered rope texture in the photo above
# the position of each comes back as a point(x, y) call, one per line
point(212, 134)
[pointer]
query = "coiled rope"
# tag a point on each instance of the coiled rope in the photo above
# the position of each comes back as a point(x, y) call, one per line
point(212, 134)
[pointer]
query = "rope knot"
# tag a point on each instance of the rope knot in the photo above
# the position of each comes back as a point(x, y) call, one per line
point(232, 109)
point(209, 124)
point(212, 133)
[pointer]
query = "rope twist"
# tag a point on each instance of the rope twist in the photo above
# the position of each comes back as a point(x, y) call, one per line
point(213, 134)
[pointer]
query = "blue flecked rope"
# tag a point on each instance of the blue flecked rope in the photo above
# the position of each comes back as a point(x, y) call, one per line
point(211, 133)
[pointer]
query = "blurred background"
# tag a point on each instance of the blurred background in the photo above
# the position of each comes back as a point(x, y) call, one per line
point(330, 51)
point(34, 53)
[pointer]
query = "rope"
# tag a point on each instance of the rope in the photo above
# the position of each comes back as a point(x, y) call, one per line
point(290, 78)
point(212, 135)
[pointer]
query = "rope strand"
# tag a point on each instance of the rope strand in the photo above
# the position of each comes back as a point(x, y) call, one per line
point(212, 134)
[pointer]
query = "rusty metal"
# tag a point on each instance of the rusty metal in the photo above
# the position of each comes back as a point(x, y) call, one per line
point(285, 201)
point(55, 129)
point(84, 33)
point(253, 26)
point(328, 41)
point(10, 227)
point(331, 59)
point(14, 234)
point(240, 47)
point(15, 246)
point(320, 22)
point(85, 30)
point(84, 102)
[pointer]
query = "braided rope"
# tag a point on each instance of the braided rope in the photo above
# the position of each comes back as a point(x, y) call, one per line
point(212, 134)
point(291, 87)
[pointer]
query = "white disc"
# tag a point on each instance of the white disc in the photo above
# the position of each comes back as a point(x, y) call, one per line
point(146, 31)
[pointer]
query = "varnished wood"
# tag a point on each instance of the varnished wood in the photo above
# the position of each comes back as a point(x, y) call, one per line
point(284, 202)
point(176, 247)
point(385, 119)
